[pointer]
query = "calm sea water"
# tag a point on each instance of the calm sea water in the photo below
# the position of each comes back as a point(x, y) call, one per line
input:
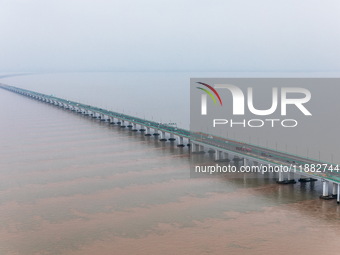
point(73, 185)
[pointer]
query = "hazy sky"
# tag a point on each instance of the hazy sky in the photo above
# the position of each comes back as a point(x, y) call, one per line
point(181, 35)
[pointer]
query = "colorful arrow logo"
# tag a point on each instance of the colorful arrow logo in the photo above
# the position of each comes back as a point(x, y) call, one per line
point(209, 93)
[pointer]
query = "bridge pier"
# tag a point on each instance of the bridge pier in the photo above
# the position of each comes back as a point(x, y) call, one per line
point(163, 138)
point(155, 132)
point(195, 148)
point(180, 142)
point(217, 155)
point(201, 149)
point(334, 189)
point(142, 128)
point(281, 177)
point(290, 179)
point(325, 191)
point(172, 138)
point(148, 133)
point(226, 156)
point(338, 195)
point(134, 128)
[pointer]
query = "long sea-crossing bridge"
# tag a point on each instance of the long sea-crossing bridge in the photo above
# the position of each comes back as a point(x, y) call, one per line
point(225, 150)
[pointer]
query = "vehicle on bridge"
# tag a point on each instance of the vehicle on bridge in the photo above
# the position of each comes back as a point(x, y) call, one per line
point(245, 149)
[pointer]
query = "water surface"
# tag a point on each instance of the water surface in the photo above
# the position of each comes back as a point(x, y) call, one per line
point(72, 185)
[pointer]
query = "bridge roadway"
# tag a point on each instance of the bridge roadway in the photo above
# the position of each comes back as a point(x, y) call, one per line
point(223, 148)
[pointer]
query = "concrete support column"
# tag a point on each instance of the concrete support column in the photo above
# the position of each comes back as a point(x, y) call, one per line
point(290, 176)
point(290, 179)
point(226, 155)
point(134, 127)
point(155, 133)
point(334, 189)
point(245, 162)
point(194, 147)
point(142, 128)
point(281, 177)
point(148, 132)
point(172, 138)
point(180, 142)
point(163, 138)
point(122, 124)
point(200, 148)
point(325, 189)
point(338, 196)
point(217, 155)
